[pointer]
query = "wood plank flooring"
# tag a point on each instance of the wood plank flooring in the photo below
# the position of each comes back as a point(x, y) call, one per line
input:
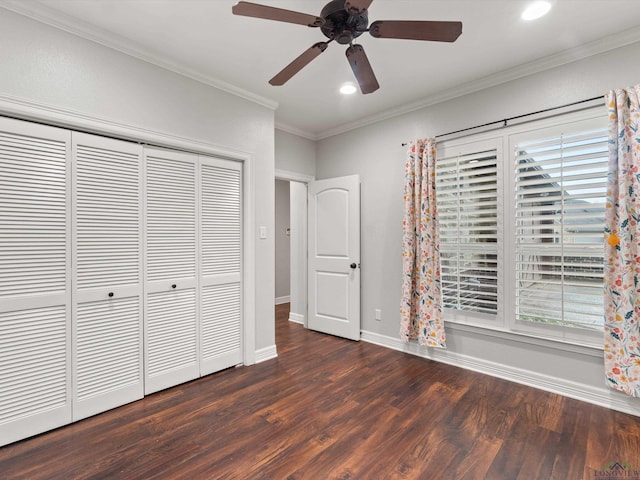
point(329, 408)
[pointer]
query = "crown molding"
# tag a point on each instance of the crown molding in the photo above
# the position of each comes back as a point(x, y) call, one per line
point(296, 131)
point(602, 45)
point(43, 14)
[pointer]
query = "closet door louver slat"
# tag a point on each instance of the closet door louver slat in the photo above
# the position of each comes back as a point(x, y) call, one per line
point(171, 327)
point(171, 219)
point(32, 218)
point(221, 327)
point(35, 310)
point(221, 271)
point(171, 299)
point(108, 272)
point(108, 215)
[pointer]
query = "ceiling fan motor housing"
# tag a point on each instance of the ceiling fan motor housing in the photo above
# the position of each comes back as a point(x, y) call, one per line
point(339, 25)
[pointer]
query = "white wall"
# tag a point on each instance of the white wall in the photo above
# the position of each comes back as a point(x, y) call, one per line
point(282, 242)
point(375, 153)
point(50, 70)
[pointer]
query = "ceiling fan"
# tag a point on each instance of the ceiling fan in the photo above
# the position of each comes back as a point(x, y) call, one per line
point(343, 21)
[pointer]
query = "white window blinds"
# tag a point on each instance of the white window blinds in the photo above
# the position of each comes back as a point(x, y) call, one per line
point(560, 187)
point(466, 189)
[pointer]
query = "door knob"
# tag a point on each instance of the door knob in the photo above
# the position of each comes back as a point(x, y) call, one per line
point(353, 265)
point(173, 285)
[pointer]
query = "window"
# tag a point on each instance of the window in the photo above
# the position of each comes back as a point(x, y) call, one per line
point(521, 234)
point(560, 194)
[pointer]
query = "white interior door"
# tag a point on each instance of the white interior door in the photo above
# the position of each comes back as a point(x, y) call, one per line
point(35, 279)
point(220, 264)
point(171, 337)
point(334, 256)
point(107, 281)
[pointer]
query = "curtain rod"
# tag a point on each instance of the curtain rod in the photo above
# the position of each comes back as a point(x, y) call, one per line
point(506, 120)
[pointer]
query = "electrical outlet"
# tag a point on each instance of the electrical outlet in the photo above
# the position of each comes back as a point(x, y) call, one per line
point(378, 314)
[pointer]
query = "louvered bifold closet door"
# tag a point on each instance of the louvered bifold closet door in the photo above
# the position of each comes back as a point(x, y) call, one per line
point(35, 289)
point(221, 264)
point(171, 347)
point(107, 287)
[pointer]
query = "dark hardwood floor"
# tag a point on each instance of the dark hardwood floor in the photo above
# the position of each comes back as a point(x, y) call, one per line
point(330, 408)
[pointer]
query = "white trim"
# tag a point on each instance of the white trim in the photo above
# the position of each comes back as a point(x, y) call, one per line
point(61, 21)
point(295, 131)
point(249, 267)
point(266, 353)
point(296, 318)
point(602, 396)
point(283, 299)
point(38, 112)
point(293, 176)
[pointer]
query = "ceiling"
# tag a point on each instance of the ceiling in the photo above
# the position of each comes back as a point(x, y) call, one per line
point(202, 39)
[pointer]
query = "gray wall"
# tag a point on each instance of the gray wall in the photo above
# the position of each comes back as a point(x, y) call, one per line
point(282, 240)
point(296, 159)
point(55, 70)
point(295, 154)
point(375, 153)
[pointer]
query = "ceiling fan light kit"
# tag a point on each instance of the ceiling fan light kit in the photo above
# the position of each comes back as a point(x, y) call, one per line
point(344, 21)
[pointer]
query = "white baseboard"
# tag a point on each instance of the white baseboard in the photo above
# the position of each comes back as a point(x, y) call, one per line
point(267, 353)
point(602, 396)
point(281, 300)
point(296, 318)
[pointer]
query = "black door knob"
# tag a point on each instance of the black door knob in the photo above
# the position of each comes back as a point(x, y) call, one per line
point(353, 265)
point(173, 285)
point(110, 294)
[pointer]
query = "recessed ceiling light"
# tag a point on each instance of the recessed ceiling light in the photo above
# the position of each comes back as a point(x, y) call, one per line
point(348, 89)
point(536, 10)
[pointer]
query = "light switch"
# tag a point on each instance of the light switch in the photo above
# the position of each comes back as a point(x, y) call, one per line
point(263, 232)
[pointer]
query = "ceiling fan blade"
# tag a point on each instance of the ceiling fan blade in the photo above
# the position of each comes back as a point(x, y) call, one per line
point(362, 69)
point(249, 9)
point(416, 30)
point(354, 7)
point(298, 64)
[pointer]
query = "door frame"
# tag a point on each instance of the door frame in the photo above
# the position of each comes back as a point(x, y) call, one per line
point(298, 265)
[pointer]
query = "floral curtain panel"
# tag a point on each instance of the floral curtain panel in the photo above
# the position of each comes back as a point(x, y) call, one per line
point(622, 243)
point(421, 304)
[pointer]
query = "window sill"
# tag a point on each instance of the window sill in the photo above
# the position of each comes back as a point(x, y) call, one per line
point(531, 339)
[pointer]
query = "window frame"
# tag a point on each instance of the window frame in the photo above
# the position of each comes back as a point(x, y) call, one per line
point(503, 141)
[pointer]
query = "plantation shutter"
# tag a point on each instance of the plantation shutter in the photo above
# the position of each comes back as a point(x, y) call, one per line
point(560, 186)
point(35, 289)
point(221, 265)
point(466, 189)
